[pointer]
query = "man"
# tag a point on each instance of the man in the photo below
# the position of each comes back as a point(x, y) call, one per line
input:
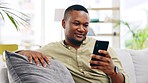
point(75, 52)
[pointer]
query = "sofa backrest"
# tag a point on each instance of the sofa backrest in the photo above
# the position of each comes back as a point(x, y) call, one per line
point(135, 64)
point(127, 63)
point(140, 60)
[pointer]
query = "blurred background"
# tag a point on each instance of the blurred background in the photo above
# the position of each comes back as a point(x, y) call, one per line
point(44, 22)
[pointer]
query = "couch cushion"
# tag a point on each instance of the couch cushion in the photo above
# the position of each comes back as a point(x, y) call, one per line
point(3, 71)
point(127, 64)
point(21, 71)
point(140, 60)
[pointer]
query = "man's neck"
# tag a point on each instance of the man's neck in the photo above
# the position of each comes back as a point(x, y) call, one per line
point(76, 46)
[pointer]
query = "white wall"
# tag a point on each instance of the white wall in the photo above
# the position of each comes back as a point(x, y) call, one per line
point(134, 12)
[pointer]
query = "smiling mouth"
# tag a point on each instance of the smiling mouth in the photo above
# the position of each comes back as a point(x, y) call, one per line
point(80, 35)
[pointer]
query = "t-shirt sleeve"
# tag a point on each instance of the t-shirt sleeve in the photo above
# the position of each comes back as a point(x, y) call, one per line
point(45, 50)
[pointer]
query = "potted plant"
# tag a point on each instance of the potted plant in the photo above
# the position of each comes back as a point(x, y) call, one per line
point(16, 18)
point(138, 37)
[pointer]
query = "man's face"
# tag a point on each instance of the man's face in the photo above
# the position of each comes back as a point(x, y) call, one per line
point(76, 26)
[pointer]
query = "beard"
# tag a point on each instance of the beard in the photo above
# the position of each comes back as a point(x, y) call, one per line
point(76, 42)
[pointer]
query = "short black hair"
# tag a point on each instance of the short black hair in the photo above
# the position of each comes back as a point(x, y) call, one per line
point(74, 7)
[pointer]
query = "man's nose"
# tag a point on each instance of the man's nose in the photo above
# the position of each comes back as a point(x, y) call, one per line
point(81, 28)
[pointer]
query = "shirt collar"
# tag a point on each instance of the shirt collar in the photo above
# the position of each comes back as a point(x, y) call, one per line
point(84, 42)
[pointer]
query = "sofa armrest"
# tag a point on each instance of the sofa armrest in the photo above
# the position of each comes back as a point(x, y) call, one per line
point(3, 75)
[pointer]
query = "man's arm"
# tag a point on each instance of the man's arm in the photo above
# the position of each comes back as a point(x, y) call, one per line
point(106, 65)
point(117, 78)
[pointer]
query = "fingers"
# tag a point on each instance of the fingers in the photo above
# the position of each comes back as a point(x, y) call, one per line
point(36, 60)
point(98, 67)
point(98, 62)
point(102, 63)
point(30, 59)
point(105, 53)
point(46, 59)
point(101, 60)
point(105, 65)
point(40, 58)
point(43, 59)
point(37, 56)
point(107, 68)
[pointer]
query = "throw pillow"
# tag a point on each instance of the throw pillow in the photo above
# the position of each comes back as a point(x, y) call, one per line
point(21, 71)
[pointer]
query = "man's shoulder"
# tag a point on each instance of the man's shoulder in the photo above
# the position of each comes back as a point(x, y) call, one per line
point(52, 44)
point(90, 39)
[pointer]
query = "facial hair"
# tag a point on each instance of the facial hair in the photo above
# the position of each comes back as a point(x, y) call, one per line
point(75, 42)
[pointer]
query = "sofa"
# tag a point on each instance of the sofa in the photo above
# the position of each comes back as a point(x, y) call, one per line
point(134, 63)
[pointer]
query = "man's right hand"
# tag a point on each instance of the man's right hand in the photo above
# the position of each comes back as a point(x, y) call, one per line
point(37, 56)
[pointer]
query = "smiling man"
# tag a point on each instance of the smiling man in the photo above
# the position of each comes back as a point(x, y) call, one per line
point(75, 52)
point(75, 24)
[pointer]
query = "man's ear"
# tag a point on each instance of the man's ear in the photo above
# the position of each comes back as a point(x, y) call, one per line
point(63, 23)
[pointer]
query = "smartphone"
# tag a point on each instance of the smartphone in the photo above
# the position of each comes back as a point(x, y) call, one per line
point(100, 45)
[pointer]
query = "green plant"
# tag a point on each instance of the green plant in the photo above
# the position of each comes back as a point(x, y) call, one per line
point(137, 41)
point(139, 36)
point(16, 18)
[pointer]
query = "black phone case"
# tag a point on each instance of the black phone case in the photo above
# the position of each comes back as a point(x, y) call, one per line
point(99, 45)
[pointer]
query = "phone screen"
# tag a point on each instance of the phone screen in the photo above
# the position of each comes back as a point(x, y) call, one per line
point(100, 45)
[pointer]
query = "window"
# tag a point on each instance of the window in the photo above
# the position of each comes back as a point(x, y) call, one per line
point(44, 28)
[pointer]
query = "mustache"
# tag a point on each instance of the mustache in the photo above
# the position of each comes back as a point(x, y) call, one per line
point(79, 33)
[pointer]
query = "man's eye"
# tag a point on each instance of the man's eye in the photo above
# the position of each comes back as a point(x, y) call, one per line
point(76, 24)
point(85, 25)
